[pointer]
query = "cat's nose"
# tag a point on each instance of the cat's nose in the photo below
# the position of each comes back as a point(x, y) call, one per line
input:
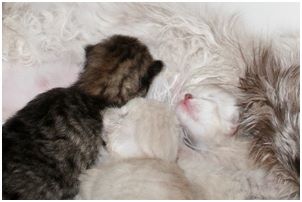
point(188, 96)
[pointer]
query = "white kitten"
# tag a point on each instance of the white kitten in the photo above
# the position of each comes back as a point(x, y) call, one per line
point(219, 167)
point(209, 113)
point(142, 139)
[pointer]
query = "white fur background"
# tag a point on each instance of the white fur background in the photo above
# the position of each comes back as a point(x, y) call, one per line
point(43, 42)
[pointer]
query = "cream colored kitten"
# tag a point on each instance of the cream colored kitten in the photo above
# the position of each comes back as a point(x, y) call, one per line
point(218, 166)
point(142, 141)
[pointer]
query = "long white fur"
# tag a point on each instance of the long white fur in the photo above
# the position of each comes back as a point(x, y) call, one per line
point(142, 145)
point(142, 128)
point(199, 45)
point(219, 167)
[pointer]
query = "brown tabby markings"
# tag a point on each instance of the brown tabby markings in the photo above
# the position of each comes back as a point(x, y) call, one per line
point(270, 116)
point(126, 60)
point(56, 136)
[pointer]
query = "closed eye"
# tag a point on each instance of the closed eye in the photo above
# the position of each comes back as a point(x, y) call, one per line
point(209, 99)
point(123, 115)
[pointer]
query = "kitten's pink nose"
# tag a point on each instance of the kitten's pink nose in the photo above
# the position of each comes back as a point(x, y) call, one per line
point(188, 96)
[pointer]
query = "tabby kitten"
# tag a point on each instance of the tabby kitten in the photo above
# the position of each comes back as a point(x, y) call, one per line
point(56, 136)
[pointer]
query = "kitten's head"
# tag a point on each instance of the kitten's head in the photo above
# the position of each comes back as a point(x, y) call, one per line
point(118, 69)
point(209, 113)
point(142, 128)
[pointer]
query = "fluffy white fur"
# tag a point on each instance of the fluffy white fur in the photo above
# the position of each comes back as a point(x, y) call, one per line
point(139, 128)
point(142, 141)
point(198, 44)
point(209, 115)
point(218, 167)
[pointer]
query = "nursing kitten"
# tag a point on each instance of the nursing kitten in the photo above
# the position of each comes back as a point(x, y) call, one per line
point(142, 141)
point(218, 167)
point(56, 136)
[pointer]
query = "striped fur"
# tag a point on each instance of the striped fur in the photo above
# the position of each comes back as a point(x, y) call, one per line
point(270, 116)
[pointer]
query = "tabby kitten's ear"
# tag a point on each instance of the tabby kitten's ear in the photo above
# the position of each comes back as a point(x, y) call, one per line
point(154, 69)
point(88, 49)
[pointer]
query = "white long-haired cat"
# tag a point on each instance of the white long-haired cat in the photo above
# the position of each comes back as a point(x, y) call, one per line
point(217, 165)
point(142, 140)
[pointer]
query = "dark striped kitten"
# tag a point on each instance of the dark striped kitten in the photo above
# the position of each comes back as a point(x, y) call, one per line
point(48, 143)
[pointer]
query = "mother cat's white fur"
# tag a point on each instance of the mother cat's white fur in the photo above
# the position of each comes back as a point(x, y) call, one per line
point(142, 141)
point(198, 44)
point(220, 167)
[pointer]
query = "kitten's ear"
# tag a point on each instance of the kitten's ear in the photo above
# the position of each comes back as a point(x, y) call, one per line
point(88, 49)
point(152, 71)
point(156, 67)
